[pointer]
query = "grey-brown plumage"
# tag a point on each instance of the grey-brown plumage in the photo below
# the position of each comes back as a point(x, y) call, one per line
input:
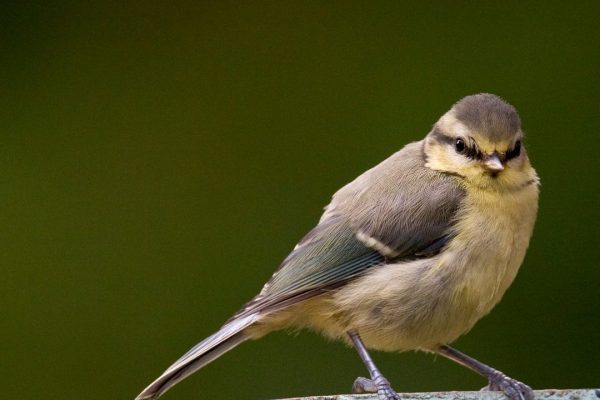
point(410, 214)
point(409, 255)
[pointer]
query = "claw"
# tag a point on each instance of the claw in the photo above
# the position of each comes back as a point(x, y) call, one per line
point(514, 389)
point(379, 385)
point(363, 385)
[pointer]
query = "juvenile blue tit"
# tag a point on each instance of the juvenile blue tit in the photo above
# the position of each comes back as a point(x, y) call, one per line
point(408, 256)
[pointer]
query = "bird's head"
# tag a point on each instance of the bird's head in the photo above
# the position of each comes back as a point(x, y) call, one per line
point(480, 139)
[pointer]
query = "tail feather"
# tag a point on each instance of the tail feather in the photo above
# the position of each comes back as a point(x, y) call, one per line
point(228, 337)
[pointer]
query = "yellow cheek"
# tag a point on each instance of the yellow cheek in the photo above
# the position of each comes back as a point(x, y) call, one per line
point(444, 158)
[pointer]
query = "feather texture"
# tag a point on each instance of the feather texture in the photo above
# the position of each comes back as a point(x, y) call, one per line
point(382, 216)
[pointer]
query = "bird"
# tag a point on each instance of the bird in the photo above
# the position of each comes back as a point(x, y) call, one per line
point(408, 256)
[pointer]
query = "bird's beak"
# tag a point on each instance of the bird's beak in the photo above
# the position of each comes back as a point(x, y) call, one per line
point(493, 163)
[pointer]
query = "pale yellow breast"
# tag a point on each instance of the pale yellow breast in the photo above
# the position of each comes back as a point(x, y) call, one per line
point(493, 236)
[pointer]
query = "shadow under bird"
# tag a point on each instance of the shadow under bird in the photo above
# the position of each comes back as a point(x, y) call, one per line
point(408, 256)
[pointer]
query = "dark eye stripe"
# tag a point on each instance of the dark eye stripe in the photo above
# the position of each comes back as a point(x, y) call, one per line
point(440, 137)
point(473, 151)
point(514, 152)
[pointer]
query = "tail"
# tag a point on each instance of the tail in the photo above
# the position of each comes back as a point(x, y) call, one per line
point(229, 336)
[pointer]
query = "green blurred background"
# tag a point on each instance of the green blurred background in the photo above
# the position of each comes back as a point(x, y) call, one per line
point(158, 161)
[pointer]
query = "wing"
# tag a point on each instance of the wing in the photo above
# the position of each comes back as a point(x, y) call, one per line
point(400, 207)
point(398, 210)
point(329, 255)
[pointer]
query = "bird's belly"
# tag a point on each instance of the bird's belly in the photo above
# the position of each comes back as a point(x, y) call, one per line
point(414, 305)
point(410, 306)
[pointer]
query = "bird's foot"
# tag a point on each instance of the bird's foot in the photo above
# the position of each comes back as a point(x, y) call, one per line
point(514, 389)
point(363, 385)
point(379, 385)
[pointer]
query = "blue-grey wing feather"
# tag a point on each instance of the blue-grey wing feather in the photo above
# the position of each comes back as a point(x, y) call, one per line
point(400, 203)
point(330, 252)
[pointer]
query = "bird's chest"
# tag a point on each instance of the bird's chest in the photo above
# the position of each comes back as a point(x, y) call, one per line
point(491, 241)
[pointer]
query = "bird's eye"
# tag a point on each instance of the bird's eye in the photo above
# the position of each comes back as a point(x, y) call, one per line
point(515, 151)
point(459, 145)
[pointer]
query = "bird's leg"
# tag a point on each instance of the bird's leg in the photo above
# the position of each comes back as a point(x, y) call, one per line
point(497, 380)
point(377, 383)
